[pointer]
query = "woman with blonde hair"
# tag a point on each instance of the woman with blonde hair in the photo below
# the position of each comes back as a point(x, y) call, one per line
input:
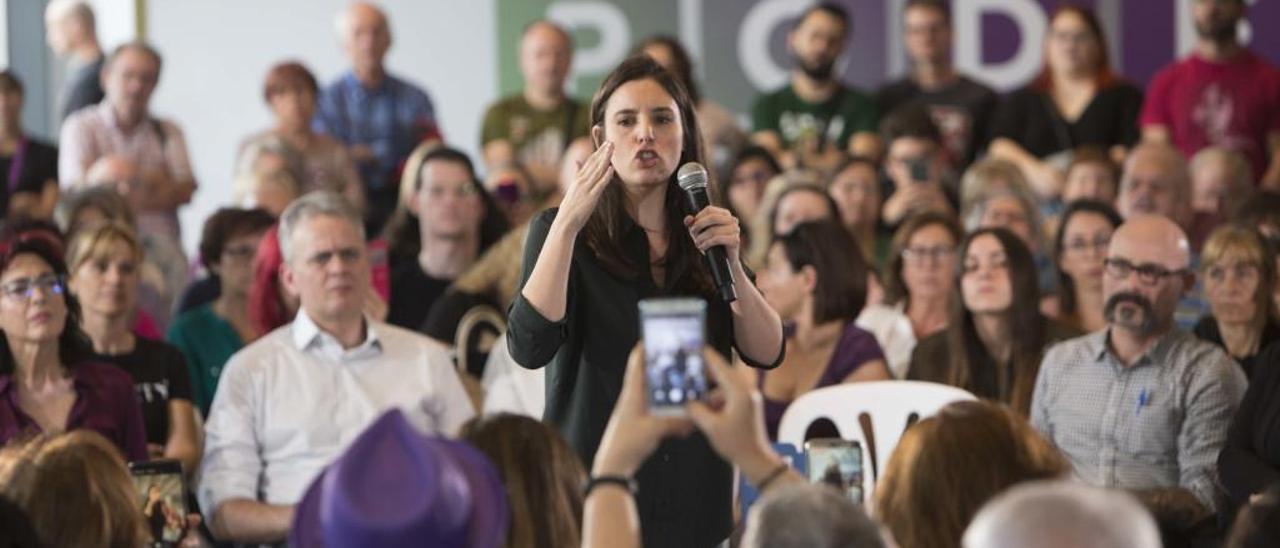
point(104, 264)
point(1238, 272)
point(948, 465)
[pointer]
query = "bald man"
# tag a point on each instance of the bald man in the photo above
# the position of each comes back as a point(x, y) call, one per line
point(1061, 514)
point(1142, 405)
point(72, 33)
point(536, 126)
point(380, 117)
point(1155, 182)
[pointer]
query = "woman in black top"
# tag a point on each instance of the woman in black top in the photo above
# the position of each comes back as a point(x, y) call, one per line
point(1237, 269)
point(1075, 101)
point(29, 167)
point(1250, 459)
point(105, 262)
point(620, 235)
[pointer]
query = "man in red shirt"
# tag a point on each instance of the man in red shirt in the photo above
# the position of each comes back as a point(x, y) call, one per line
point(1222, 94)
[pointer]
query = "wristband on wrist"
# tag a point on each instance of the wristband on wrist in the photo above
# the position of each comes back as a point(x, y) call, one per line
point(775, 474)
point(621, 481)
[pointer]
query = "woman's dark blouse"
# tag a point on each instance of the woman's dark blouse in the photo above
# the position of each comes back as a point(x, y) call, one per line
point(685, 489)
point(1250, 459)
point(1029, 118)
point(1207, 330)
point(105, 403)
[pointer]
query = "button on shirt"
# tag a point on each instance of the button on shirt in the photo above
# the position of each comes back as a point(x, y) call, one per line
point(290, 403)
point(1158, 423)
point(390, 119)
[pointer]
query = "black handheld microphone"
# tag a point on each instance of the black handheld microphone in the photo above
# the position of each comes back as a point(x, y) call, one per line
point(693, 179)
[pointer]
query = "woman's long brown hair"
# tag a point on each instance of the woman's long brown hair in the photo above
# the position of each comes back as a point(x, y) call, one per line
point(542, 476)
point(603, 231)
point(1026, 326)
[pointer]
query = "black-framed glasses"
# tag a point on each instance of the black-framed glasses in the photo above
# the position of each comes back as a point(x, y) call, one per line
point(1148, 273)
point(24, 288)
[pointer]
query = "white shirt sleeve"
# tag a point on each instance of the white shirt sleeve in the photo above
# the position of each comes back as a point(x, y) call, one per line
point(232, 463)
point(447, 405)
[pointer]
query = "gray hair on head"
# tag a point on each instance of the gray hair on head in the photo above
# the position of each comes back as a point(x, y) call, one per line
point(803, 515)
point(1062, 514)
point(321, 203)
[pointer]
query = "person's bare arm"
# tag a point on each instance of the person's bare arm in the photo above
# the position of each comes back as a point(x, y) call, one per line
point(498, 153)
point(1271, 179)
point(251, 521)
point(547, 288)
point(1044, 178)
point(182, 444)
point(1156, 134)
point(873, 370)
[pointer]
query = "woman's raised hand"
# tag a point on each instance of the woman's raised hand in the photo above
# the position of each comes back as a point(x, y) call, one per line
point(583, 194)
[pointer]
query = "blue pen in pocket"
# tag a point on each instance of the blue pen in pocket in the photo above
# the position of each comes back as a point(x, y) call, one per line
point(1144, 397)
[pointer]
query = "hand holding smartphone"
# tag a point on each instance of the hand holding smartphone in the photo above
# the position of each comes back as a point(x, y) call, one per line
point(163, 499)
point(674, 332)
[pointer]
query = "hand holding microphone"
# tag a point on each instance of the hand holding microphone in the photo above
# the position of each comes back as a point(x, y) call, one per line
point(715, 231)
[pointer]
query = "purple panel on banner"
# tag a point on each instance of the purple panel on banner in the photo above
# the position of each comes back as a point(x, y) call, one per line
point(1264, 15)
point(1149, 39)
point(866, 54)
point(1001, 38)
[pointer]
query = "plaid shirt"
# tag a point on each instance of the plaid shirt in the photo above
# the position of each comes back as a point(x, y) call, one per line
point(1160, 422)
point(390, 119)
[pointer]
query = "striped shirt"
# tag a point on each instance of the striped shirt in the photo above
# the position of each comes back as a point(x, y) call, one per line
point(1158, 423)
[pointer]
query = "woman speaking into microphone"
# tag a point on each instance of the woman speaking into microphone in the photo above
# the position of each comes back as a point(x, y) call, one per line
point(624, 233)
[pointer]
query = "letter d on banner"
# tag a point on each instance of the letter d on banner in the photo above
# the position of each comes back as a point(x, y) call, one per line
point(1031, 22)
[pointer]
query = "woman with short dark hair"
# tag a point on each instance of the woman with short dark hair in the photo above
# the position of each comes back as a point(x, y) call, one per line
point(815, 277)
point(995, 336)
point(209, 334)
point(317, 161)
point(29, 166)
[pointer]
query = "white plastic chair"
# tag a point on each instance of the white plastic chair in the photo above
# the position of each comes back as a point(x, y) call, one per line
point(890, 405)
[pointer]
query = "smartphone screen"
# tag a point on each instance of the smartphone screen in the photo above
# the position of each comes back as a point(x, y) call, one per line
point(919, 170)
point(162, 497)
point(673, 331)
point(837, 463)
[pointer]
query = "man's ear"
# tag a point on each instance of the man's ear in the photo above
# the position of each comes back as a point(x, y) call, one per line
point(286, 276)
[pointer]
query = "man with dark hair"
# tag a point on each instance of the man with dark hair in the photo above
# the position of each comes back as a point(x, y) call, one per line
point(536, 126)
point(915, 161)
point(379, 116)
point(449, 209)
point(814, 119)
point(960, 107)
point(1142, 405)
point(1221, 95)
point(71, 32)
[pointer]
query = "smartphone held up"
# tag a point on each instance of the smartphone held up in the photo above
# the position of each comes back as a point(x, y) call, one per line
point(162, 497)
point(674, 333)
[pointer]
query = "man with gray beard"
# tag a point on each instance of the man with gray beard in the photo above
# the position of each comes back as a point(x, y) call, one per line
point(1142, 405)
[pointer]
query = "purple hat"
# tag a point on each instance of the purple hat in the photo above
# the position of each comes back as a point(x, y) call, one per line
point(397, 487)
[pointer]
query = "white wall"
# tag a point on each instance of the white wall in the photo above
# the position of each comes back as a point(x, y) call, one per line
point(217, 52)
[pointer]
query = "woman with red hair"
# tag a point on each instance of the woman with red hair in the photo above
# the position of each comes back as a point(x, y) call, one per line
point(270, 306)
point(1075, 101)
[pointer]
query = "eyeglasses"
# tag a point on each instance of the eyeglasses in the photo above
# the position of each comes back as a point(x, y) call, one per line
point(921, 255)
point(1148, 274)
point(1080, 246)
point(239, 253)
point(25, 288)
point(1238, 271)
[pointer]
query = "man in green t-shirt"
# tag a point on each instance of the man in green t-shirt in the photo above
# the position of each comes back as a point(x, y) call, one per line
point(537, 125)
point(814, 119)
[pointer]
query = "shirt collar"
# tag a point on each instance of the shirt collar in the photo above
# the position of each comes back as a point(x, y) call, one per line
point(1099, 348)
point(306, 334)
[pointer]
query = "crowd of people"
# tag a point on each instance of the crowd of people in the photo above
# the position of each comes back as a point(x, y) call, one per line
point(383, 342)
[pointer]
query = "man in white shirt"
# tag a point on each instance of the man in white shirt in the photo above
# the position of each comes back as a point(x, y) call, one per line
point(290, 403)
